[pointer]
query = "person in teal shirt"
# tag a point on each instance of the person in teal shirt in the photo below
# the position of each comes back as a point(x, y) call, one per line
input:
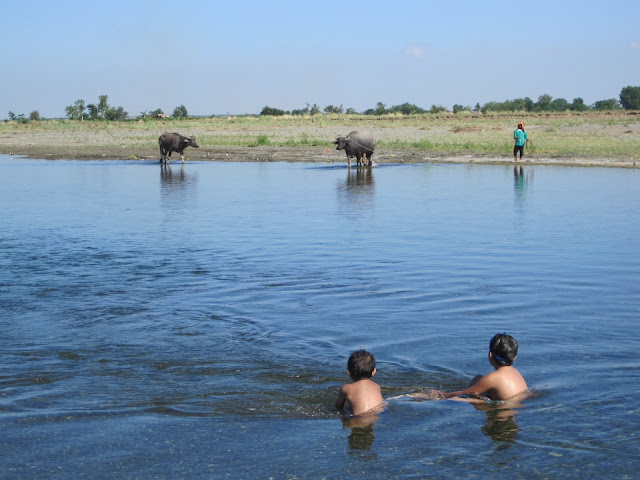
point(520, 136)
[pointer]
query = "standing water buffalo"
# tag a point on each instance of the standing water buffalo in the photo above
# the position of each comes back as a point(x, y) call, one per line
point(174, 142)
point(357, 144)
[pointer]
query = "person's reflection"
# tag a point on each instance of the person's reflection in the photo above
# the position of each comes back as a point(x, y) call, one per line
point(501, 424)
point(521, 182)
point(361, 427)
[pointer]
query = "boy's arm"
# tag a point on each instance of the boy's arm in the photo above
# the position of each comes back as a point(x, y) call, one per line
point(342, 397)
point(483, 385)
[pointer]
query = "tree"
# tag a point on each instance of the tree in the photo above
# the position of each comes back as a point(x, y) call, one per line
point(103, 106)
point(79, 105)
point(92, 110)
point(35, 116)
point(301, 111)
point(116, 114)
point(12, 116)
point(332, 109)
point(630, 98)
point(380, 109)
point(437, 109)
point(528, 104)
point(406, 109)
point(71, 112)
point(609, 104)
point(180, 112)
point(272, 111)
point(314, 109)
point(544, 103)
point(459, 108)
point(351, 111)
point(477, 108)
point(560, 105)
point(578, 105)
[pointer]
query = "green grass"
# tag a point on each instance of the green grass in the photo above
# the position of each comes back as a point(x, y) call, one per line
point(608, 134)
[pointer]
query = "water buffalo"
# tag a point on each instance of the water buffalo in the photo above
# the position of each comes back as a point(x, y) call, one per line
point(357, 144)
point(174, 142)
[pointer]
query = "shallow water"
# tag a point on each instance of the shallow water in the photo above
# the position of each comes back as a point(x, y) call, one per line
point(195, 322)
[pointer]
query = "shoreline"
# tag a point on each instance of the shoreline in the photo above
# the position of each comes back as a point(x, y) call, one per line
point(569, 140)
point(315, 154)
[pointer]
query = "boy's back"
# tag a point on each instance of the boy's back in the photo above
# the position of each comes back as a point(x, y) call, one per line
point(363, 395)
point(501, 384)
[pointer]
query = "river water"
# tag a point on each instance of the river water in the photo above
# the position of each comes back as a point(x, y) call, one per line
point(195, 322)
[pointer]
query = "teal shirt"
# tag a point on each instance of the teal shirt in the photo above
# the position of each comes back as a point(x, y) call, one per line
point(520, 136)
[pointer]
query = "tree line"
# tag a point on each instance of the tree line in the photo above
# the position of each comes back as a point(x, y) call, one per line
point(103, 111)
point(629, 100)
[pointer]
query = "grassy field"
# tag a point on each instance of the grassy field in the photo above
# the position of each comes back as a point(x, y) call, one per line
point(603, 135)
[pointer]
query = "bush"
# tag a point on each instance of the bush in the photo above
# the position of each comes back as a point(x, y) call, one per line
point(407, 109)
point(332, 109)
point(578, 105)
point(610, 104)
point(263, 140)
point(459, 108)
point(276, 112)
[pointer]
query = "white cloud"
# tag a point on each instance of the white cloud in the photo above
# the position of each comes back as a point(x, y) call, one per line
point(414, 51)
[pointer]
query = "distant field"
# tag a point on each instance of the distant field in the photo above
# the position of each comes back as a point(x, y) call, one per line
point(613, 136)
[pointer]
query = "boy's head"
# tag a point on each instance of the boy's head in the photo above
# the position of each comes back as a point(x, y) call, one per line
point(504, 349)
point(361, 365)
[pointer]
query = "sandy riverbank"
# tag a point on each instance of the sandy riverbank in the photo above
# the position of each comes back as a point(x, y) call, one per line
point(130, 141)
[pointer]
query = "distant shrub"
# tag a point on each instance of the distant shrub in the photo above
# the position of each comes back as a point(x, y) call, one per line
point(610, 104)
point(275, 112)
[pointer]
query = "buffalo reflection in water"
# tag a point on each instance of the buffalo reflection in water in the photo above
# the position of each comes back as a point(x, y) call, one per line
point(176, 185)
point(359, 188)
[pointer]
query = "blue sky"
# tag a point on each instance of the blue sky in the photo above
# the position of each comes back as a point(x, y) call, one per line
point(236, 57)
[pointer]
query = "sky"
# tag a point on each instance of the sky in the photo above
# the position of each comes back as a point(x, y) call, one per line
point(235, 57)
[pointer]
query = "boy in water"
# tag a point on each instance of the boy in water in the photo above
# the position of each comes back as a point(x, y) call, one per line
point(363, 394)
point(503, 383)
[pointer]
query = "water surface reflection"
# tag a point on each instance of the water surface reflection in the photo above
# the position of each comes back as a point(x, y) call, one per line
point(358, 190)
point(522, 181)
point(176, 184)
point(362, 435)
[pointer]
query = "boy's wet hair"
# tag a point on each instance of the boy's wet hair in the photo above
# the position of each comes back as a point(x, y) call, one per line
point(361, 365)
point(504, 349)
